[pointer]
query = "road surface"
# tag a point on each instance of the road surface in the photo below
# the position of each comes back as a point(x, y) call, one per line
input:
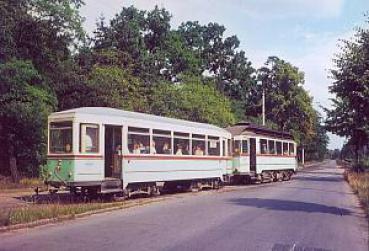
point(314, 211)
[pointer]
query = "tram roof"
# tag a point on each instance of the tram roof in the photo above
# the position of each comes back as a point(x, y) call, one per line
point(107, 112)
point(245, 127)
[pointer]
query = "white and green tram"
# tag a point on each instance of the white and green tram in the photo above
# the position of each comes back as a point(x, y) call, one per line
point(104, 150)
point(263, 154)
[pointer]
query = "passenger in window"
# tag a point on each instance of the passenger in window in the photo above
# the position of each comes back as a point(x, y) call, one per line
point(118, 150)
point(166, 149)
point(68, 148)
point(152, 148)
point(179, 150)
point(237, 152)
point(198, 150)
point(136, 149)
point(186, 151)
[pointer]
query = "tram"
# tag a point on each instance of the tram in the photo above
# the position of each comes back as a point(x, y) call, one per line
point(99, 150)
point(263, 154)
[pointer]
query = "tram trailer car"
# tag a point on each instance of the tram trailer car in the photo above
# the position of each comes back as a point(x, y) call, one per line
point(260, 153)
point(109, 151)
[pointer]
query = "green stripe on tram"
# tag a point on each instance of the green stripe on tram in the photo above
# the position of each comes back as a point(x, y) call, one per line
point(63, 173)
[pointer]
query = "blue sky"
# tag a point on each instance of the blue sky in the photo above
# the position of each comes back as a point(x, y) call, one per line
point(303, 32)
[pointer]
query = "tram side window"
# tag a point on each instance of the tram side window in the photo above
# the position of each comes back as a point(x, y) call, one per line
point(213, 146)
point(229, 147)
point(245, 146)
point(162, 142)
point(285, 148)
point(279, 147)
point(181, 143)
point(61, 137)
point(236, 147)
point(198, 144)
point(292, 148)
point(271, 146)
point(224, 148)
point(138, 140)
point(89, 138)
point(263, 146)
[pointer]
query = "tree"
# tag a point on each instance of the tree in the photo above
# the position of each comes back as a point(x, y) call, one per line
point(24, 106)
point(192, 100)
point(287, 103)
point(349, 116)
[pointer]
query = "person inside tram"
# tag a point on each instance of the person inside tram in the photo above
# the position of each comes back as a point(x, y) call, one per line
point(152, 148)
point(118, 150)
point(68, 148)
point(166, 149)
point(198, 150)
point(179, 150)
point(136, 149)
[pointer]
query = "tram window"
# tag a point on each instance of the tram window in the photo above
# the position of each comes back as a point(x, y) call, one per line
point(292, 149)
point(198, 144)
point(236, 147)
point(229, 148)
point(285, 148)
point(213, 146)
point(89, 138)
point(224, 148)
point(181, 143)
point(279, 147)
point(271, 146)
point(162, 142)
point(245, 146)
point(138, 140)
point(263, 146)
point(60, 137)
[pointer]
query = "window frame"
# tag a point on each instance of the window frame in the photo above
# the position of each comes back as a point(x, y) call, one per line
point(142, 131)
point(71, 127)
point(261, 146)
point(81, 134)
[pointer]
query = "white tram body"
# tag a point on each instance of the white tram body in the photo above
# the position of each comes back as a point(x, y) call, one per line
point(260, 152)
point(108, 149)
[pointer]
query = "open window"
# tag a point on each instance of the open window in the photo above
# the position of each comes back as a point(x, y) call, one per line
point(61, 137)
point(181, 143)
point(263, 146)
point(162, 142)
point(285, 148)
point(292, 148)
point(213, 146)
point(271, 146)
point(89, 138)
point(198, 144)
point(138, 140)
point(245, 146)
point(279, 147)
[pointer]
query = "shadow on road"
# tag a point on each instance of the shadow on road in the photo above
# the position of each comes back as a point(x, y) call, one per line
point(320, 178)
point(288, 205)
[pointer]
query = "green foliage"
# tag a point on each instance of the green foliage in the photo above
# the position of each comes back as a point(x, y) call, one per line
point(350, 115)
point(287, 103)
point(192, 100)
point(24, 107)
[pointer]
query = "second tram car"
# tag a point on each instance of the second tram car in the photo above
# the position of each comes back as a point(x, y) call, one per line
point(262, 153)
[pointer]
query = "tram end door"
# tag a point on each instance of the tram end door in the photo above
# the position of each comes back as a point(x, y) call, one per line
point(253, 155)
point(113, 151)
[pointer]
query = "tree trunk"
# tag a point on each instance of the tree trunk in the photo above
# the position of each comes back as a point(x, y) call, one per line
point(13, 165)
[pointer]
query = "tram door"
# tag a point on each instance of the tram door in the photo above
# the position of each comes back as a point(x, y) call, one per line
point(252, 154)
point(113, 151)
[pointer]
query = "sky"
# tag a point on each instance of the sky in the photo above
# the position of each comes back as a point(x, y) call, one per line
point(305, 33)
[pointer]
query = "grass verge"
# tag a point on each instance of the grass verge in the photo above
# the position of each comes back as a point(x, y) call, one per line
point(33, 213)
point(7, 184)
point(359, 181)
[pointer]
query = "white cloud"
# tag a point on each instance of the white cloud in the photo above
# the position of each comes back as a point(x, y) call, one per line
point(292, 8)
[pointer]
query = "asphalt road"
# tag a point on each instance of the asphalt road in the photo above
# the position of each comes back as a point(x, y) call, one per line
point(314, 211)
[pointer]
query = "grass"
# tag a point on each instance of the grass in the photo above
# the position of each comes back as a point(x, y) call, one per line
point(7, 184)
point(359, 181)
point(36, 212)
